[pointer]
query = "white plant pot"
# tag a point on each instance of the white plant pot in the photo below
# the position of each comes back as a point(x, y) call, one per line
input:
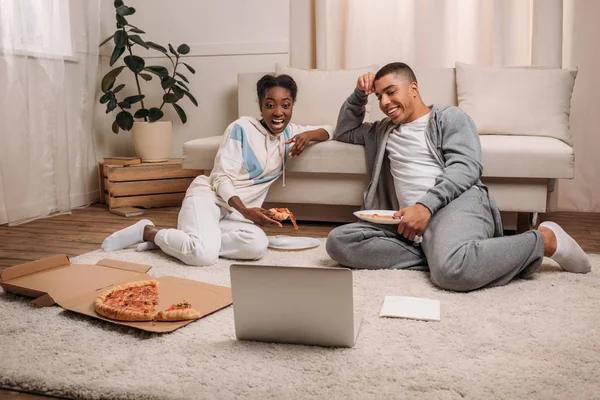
point(152, 140)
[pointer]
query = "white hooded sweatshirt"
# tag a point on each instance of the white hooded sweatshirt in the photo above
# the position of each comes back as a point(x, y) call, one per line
point(250, 158)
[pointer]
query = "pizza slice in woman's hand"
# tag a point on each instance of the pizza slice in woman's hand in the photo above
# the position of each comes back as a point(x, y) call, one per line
point(281, 214)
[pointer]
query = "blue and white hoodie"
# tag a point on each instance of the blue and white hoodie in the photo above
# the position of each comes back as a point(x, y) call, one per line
point(250, 158)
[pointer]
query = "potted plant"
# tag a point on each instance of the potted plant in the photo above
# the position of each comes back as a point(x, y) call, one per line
point(152, 136)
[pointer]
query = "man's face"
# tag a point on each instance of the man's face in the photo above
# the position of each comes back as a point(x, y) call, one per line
point(397, 97)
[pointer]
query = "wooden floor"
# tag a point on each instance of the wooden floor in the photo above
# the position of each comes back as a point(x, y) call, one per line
point(85, 229)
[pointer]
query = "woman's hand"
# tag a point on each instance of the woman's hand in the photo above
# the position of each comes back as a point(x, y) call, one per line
point(302, 140)
point(259, 216)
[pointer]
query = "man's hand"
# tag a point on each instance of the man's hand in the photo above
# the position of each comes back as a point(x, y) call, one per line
point(414, 221)
point(259, 216)
point(302, 140)
point(366, 83)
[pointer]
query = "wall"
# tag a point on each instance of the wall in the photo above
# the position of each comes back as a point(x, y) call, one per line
point(226, 37)
point(583, 192)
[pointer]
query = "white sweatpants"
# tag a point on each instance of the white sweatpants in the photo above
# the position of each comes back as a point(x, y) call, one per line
point(205, 232)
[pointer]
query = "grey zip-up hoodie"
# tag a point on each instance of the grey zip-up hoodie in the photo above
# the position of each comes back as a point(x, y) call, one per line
point(451, 137)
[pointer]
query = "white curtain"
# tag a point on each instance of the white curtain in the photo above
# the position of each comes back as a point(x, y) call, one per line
point(437, 33)
point(48, 77)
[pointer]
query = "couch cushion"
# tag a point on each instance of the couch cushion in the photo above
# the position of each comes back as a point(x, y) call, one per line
point(503, 156)
point(321, 93)
point(517, 101)
point(526, 157)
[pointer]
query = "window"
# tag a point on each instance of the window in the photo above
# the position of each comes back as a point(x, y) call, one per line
point(35, 27)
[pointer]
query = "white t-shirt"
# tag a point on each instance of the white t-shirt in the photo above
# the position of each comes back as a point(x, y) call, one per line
point(414, 168)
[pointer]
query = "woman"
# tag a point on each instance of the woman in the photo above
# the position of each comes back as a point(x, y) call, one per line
point(220, 213)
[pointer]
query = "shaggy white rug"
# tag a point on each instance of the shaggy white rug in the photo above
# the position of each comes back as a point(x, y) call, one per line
point(536, 338)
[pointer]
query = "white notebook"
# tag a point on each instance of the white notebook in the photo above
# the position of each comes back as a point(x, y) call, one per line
point(410, 307)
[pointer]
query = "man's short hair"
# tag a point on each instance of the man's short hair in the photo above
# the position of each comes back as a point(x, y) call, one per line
point(399, 69)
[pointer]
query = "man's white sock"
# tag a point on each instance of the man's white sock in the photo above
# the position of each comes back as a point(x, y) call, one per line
point(569, 255)
point(126, 237)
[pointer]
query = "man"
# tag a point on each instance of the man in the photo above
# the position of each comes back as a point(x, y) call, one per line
point(426, 163)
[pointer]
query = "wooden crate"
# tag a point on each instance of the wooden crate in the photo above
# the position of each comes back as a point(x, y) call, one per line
point(145, 185)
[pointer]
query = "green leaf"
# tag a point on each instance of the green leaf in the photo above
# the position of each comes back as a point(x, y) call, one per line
point(182, 76)
point(120, 38)
point(125, 120)
point(170, 98)
point(192, 70)
point(112, 104)
point(106, 40)
point(156, 47)
point(141, 113)
point(157, 70)
point(183, 85)
point(192, 98)
point(109, 78)
point(124, 11)
point(124, 104)
point(178, 91)
point(134, 99)
point(121, 21)
point(115, 126)
point(172, 50)
point(180, 112)
point(167, 82)
point(118, 88)
point(147, 77)
point(183, 48)
point(137, 39)
point(105, 97)
point(135, 63)
point(118, 3)
point(117, 52)
point(154, 114)
point(135, 30)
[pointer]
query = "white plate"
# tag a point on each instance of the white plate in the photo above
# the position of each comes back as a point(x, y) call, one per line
point(361, 214)
point(293, 242)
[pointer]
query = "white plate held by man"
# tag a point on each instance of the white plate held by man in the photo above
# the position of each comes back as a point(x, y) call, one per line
point(378, 216)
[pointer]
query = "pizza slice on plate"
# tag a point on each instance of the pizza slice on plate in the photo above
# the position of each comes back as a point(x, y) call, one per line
point(281, 214)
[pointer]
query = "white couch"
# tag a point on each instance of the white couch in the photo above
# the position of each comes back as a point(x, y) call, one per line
point(327, 181)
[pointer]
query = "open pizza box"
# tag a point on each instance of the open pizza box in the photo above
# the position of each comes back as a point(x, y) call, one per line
point(74, 287)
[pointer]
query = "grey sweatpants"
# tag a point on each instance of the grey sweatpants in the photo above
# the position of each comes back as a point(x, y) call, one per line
point(458, 248)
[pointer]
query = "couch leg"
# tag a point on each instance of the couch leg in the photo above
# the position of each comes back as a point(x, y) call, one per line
point(526, 222)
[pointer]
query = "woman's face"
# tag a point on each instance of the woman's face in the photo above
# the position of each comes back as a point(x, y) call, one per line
point(277, 108)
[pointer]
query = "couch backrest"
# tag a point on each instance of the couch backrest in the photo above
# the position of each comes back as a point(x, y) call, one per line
point(437, 86)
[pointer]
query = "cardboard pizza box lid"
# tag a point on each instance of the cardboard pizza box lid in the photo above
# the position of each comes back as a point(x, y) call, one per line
point(74, 287)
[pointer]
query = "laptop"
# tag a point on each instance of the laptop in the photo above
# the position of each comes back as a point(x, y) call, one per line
point(298, 305)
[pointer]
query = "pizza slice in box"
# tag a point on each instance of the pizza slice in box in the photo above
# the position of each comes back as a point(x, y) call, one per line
point(136, 301)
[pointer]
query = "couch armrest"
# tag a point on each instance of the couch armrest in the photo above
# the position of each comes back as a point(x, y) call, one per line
point(200, 153)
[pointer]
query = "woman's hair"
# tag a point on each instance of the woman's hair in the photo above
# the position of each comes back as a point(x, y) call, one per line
point(270, 81)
